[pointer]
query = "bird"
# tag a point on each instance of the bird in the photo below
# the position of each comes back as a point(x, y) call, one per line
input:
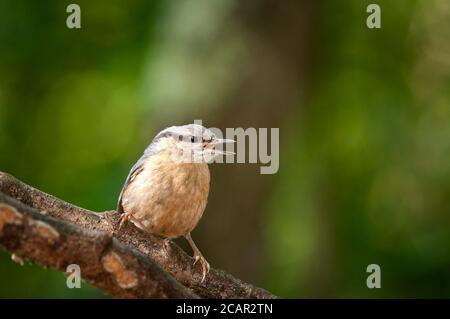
point(166, 191)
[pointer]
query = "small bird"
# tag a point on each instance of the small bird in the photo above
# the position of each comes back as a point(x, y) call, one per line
point(167, 189)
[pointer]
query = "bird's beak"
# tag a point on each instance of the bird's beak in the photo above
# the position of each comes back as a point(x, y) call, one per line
point(220, 152)
point(222, 141)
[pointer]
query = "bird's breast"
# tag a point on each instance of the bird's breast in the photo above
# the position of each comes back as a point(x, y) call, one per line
point(167, 198)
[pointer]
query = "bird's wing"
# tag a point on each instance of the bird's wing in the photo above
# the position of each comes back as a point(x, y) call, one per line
point(135, 171)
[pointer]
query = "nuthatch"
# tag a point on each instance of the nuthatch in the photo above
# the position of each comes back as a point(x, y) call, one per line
point(166, 191)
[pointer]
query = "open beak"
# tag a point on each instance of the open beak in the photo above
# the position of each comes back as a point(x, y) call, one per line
point(218, 141)
point(220, 152)
point(222, 141)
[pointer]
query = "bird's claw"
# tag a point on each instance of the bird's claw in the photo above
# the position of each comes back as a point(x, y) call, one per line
point(166, 243)
point(123, 219)
point(204, 264)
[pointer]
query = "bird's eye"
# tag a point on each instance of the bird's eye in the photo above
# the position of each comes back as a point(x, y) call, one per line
point(192, 139)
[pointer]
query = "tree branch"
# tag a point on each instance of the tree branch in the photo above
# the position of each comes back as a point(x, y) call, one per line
point(126, 263)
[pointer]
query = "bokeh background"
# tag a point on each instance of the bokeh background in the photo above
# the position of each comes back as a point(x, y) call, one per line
point(364, 118)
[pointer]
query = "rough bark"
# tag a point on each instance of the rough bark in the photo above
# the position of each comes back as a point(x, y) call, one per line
point(128, 263)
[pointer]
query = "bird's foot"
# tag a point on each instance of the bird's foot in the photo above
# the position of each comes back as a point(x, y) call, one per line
point(166, 243)
point(205, 265)
point(198, 257)
point(123, 219)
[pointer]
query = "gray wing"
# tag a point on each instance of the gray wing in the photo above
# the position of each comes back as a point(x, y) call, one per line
point(135, 171)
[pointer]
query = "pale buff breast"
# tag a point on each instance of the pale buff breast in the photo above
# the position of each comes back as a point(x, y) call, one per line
point(167, 198)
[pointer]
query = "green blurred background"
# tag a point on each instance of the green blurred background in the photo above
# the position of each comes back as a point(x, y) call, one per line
point(364, 118)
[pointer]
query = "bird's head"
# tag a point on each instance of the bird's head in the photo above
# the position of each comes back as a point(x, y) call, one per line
point(190, 143)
